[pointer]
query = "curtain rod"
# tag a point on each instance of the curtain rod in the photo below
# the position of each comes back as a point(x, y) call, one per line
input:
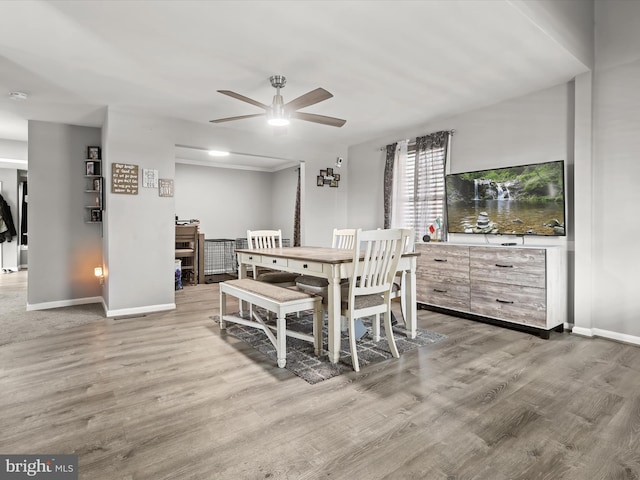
point(452, 132)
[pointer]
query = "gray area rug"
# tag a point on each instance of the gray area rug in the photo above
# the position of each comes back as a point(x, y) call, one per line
point(302, 361)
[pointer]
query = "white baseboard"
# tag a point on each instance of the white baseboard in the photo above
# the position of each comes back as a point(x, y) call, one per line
point(64, 303)
point(136, 311)
point(598, 332)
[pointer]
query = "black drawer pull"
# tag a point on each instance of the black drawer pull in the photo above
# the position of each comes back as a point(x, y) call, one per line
point(503, 266)
point(274, 261)
point(503, 301)
point(250, 258)
point(440, 260)
point(437, 290)
point(305, 266)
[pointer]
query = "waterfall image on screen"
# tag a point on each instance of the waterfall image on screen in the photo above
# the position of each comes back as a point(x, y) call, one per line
point(521, 200)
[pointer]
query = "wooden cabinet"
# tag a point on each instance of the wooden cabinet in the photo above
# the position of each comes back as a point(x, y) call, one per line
point(519, 285)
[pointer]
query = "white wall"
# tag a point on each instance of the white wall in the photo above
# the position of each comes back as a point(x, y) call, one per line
point(616, 170)
point(63, 249)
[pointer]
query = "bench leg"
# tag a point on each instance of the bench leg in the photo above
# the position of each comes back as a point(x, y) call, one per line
point(281, 340)
point(223, 309)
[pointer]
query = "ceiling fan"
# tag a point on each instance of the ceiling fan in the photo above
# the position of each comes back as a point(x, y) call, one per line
point(279, 113)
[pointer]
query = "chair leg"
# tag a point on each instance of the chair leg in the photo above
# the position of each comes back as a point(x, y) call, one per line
point(352, 344)
point(389, 332)
point(318, 322)
point(376, 328)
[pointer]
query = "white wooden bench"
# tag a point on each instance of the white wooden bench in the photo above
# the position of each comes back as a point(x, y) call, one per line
point(276, 299)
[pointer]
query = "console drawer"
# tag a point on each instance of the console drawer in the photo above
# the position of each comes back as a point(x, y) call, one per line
point(443, 260)
point(515, 266)
point(514, 303)
point(444, 293)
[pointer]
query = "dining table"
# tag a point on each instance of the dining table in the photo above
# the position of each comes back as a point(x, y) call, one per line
point(333, 264)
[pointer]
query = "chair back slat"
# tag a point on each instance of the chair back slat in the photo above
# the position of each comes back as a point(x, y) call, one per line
point(264, 238)
point(375, 271)
point(344, 238)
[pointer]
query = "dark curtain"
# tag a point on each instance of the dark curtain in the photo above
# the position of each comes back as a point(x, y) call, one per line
point(388, 183)
point(296, 218)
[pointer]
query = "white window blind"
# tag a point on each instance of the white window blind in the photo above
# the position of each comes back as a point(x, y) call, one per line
point(419, 189)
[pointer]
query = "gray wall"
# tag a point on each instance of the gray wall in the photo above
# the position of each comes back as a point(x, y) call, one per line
point(283, 193)
point(9, 190)
point(139, 229)
point(226, 201)
point(10, 177)
point(529, 129)
point(616, 196)
point(63, 249)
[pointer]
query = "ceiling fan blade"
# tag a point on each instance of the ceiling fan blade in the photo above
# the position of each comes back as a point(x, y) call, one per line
point(310, 98)
point(311, 117)
point(244, 99)
point(241, 117)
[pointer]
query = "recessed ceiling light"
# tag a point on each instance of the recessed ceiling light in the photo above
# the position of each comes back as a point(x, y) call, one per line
point(218, 153)
point(18, 96)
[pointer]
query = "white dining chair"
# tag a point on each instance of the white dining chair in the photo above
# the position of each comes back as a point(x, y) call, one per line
point(258, 239)
point(342, 238)
point(371, 283)
point(398, 290)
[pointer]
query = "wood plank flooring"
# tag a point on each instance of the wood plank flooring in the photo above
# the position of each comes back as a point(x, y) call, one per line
point(166, 396)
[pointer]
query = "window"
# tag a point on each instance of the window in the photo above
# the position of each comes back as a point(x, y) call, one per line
point(418, 190)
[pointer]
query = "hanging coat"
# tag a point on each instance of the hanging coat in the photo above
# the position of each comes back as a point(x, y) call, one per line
point(8, 230)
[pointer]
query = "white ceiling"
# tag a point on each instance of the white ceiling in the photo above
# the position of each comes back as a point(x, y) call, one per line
point(391, 65)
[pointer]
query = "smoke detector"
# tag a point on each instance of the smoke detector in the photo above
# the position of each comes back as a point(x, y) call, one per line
point(20, 96)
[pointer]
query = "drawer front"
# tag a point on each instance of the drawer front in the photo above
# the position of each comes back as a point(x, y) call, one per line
point(298, 265)
point(517, 266)
point(444, 293)
point(249, 258)
point(274, 261)
point(443, 261)
point(515, 303)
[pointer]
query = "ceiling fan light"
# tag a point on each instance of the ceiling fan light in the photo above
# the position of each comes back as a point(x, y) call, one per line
point(218, 153)
point(278, 122)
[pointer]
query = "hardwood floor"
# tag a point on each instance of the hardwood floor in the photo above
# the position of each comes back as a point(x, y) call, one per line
point(165, 396)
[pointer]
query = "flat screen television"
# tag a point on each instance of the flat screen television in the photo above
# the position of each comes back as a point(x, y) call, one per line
point(520, 200)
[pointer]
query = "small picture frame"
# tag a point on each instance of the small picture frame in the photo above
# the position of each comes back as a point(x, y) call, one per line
point(320, 181)
point(334, 183)
point(97, 184)
point(323, 173)
point(329, 172)
point(90, 168)
point(93, 153)
point(336, 177)
point(96, 215)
